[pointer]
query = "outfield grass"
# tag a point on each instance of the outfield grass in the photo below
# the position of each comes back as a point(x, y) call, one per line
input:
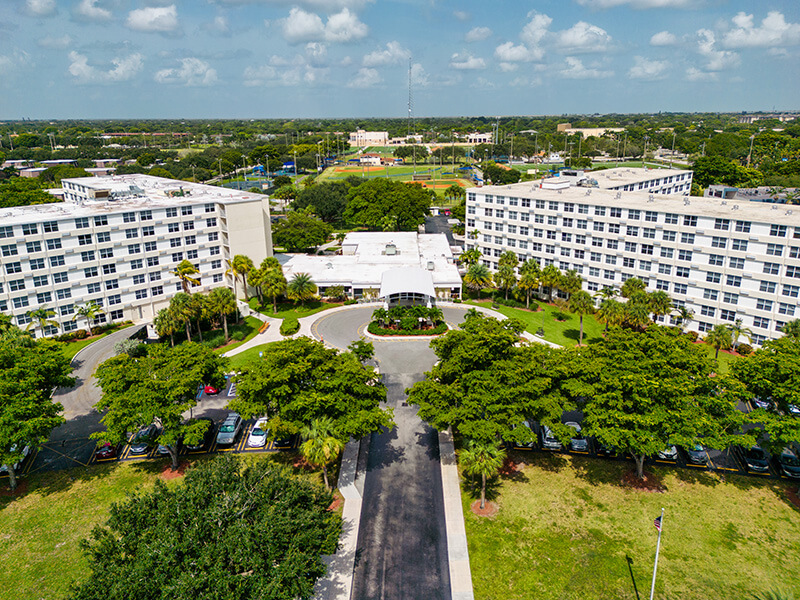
point(41, 528)
point(563, 333)
point(568, 529)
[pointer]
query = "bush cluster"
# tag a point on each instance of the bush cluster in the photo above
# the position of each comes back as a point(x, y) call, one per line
point(290, 326)
point(375, 329)
point(744, 349)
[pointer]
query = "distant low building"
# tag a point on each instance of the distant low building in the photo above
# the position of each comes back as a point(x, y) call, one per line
point(370, 159)
point(480, 138)
point(363, 138)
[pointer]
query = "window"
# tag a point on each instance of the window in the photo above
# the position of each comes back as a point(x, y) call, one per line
point(743, 226)
point(666, 253)
point(579, 254)
point(109, 269)
point(651, 216)
point(685, 255)
point(20, 302)
point(791, 290)
point(134, 249)
point(137, 264)
point(628, 263)
point(172, 212)
point(569, 207)
point(54, 244)
point(551, 235)
point(13, 267)
point(580, 239)
point(155, 276)
point(727, 315)
point(566, 237)
point(567, 222)
point(645, 265)
point(106, 253)
point(793, 271)
point(11, 250)
point(186, 210)
point(40, 280)
point(84, 239)
point(662, 285)
point(128, 217)
point(552, 205)
point(680, 288)
point(600, 211)
point(82, 223)
point(710, 294)
point(599, 226)
point(761, 322)
point(6, 231)
point(689, 221)
point(610, 275)
point(687, 238)
point(67, 309)
point(498, 213)
point(217, 278)
point(150, 246)
point(212, 222)
point(131, 233)
point(611, 259)
point(740, 245)
point(595, 257)
point(60, 277)
point(52, 226)
point(768, 286)
point(157, 290)
point(192, 254)
point(217, 264)
point(712, 277)
point(718, 242)
point(736, 263)
point(100, 221)
point(93, 288)
point(115, 299)
point(103, 236)
point(616, 212)
point(671, 219)
point(146, 215)
point(730, 298)
point(682, 271)
point(582, 224)
point(37, 263)
point(552, 220)
point(774, 249)
point(646, 249)
point(594, 272)
point(148, 231)
point(634, 214)
point(772, 268)
point(664, 269)
point(30, 229)
point(44, 297)
point(90, 272)
point(708, 311)
point(777, 230)
point(152, 261)
point(116, 314)
point(612, 244)
point(762, 304)
point(522, 217)
point(649, 233)
point(786, 309)
point(140, 294)
point(487, 212)
point(188, 225)
point(734, 281)
point(583, 209)
point(87, 256)
point(16, 285)
point(722, 224)
point(668, 236)
point(630, 247)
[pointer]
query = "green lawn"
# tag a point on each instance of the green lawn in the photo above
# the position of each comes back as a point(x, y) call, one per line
point(288, 310)
point(564, 333)
point(249, 328)
point(568, 529)
point(70, 349)
point(237, 361)
point(41, 528)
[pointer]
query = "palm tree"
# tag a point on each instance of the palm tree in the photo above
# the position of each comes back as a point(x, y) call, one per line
point(550, 279)
point(182, 310)
point(185, 271)
point(739, 330)
point(660, 303)
point(166, 323)
point(197, 304)
point(506, 276)
point(631, 286)
point(483, 459)
point(301, 288)
point(571, 282)
point(611, 312)
point(581, 303)
point(222, 302)
point(240, 266)
point(273, 283)
point(607, 293)
point(637, 310)
point(320, 447)
point(720, 338)
point(478, 277)
point(43, 318)
point(470, 257)
point(529, 274)
point(792, 328)
point(380, 315)
point(684, 317)
point(89, 311)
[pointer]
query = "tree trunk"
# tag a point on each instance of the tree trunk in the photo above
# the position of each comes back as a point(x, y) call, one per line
point(483, 491)
point(274, 303)
point(199, 331)
point(188, 332)
point(173, 455)
point(171, 340)
point(12, 478)
point(580, 339)
point(225, 326)
point(506, 293)
point(244, 283)
point(605, 331)
point(639, 458)
point(325, 476)
point(528, 299)
point(716, 356)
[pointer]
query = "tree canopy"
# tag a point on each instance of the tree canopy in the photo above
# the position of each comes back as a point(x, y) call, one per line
point(229, 531)
point(300, 231)
point(376, 200)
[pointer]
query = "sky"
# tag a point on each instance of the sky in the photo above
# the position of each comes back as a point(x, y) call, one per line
point(98, 59)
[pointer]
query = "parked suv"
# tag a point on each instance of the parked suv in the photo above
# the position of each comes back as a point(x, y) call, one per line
point(229, 430)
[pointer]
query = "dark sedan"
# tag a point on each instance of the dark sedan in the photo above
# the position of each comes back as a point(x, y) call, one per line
point(145, 439)
point(757, 460)
point(208, 437)
point(697, 454)
point(790, 463)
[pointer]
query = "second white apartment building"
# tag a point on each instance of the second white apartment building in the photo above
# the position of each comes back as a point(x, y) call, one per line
point(724, 260)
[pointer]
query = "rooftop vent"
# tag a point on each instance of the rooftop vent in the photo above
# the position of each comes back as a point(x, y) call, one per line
point(391, 250)
point(430, 265)
point(686, 202)
point(618, 196)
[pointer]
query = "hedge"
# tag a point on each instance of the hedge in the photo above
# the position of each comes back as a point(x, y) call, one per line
point(375, 329)
point(290, 326)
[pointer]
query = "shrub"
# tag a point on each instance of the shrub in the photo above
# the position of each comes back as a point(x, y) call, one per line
point(692, 335)
point(215, 341)
point(560, 316)
point(290, 326)
point(253, 304)
point(375, 329)
point(238, 336)
point(744, 349)
point(350, 301)
point(408, 323)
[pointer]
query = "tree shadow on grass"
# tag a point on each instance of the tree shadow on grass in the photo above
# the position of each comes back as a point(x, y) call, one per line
point(573, 334)
point(472, 485)
point(552, 462)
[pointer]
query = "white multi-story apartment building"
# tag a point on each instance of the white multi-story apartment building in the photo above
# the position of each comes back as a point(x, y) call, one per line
point(363, 138)
point(625, 179)
point(116, 241)
point(724, 260)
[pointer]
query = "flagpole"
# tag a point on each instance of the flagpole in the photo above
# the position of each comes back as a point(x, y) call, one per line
point(658, 547)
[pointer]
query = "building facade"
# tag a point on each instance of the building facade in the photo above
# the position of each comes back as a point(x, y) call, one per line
point(116, 241)
point(723, 260)
point(363, 138)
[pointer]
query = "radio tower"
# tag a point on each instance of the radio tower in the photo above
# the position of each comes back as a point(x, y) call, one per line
point(410, 99)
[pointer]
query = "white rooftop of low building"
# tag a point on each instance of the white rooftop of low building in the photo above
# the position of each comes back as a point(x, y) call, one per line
point(608, 178)
point(673, 203)
point(146, 192)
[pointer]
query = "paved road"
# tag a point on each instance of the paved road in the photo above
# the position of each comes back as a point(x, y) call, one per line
point(440, 225)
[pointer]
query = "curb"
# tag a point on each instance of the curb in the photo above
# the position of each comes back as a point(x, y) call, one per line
point(457, 550)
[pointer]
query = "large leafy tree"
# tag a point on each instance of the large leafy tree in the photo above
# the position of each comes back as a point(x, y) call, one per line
point(300, 230)
point(328, 200)
point(647, 390)
point(157, 388)
point(373, 201)
point(232, 530)
point(300, 380)
point(29, 371)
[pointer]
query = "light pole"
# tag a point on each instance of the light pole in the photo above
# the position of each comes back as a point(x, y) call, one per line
point(750, 154)
point(624, 145)
point(295, 164)
point(660, 521)
point(672, 155)
point(219, 160)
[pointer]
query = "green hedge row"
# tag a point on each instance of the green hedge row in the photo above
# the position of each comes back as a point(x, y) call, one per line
point(290, 326)
point(375, 329)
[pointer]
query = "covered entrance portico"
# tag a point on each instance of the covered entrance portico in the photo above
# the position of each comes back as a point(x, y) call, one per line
point(407, 287)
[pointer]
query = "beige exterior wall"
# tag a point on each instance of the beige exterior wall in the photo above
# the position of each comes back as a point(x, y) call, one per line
point(247, 230)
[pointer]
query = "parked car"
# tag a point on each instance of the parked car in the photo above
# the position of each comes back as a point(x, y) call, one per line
point(530, 444)
point(208, 437)
point(762, 403)
point(162, 449)
point(577, 442)
point(258, 436)
point(105, 451)
point(697, 454)
point(210, 390)
point(603, 450)
point(789, 463)
point(794, 410)
point(285, 442)
point(144, 439)
point(549, 441)
point(25, 452)
point(757, 460)
point(668, 453)
point(229, 430)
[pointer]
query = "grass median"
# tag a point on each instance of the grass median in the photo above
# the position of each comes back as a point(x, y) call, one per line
point(568, 528)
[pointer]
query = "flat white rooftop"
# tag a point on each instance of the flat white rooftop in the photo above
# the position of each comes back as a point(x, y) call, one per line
point(617, 176)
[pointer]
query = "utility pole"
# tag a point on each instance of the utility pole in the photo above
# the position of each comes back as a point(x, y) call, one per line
point(672, 155)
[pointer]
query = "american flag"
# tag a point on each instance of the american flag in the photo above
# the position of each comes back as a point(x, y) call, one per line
point(657, 522)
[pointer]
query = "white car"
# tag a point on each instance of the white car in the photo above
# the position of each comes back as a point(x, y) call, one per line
point(25, 452)
point(258, 436)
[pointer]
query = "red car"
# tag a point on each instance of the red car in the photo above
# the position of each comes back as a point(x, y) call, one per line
point(210, 390)
point(105, 451)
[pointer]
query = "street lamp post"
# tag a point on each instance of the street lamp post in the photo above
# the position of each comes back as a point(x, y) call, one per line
point(750, 154)
point(672, 155)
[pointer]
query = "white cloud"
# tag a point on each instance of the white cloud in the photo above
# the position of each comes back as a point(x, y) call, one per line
point(219, 26)
point(392, 55)
point(508, 67)
point(191, 72)
point(648, 70)
point(260, 75)
point(18, 59)
point(159, 19)
point(575, 69)
point(466, 62)
point(316, 52)
point(419, 77)
point(638, 3)
point(365, 78)
point(508, 52)
point(694, 74)
point(717, 59)
point(55, 42)
point(584, 37)
point(774, 31)
point(523, 81)
point(124, 69)
point(90, 10)
point(536, 29)
point(326, 5)
point(301, 26)
point(477, 34)
point(461, 15)
point(483, 84)
point(663, 38)
point(40, 8)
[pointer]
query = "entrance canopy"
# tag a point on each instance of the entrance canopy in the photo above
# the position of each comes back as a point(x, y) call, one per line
point(407, 286)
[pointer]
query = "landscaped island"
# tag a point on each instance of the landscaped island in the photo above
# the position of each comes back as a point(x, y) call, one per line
point(407, 320)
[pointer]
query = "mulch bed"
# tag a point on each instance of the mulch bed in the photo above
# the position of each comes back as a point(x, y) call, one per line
point(167, 473)
point(338, 500)
point(489, 510)
point(650, 483)
point(791, 493)
point(301, 463)
point(510, 467)
point(22, 489)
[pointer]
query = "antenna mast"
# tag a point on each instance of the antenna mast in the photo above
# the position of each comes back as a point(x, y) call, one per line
point(410, 98)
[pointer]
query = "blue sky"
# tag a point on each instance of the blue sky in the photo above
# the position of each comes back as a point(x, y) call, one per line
point(306, 58)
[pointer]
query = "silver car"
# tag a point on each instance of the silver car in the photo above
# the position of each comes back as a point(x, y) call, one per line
point(229, 430)
point(549, 441)
point(577, 442)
